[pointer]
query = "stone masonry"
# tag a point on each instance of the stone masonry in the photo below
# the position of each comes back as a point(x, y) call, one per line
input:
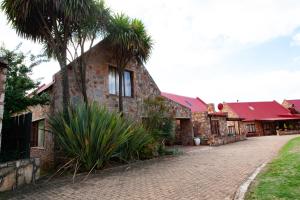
point(45, 153)
point(3, 69)
point(16, 173)
point(202, 127)
point(97, 84)
point(99, 60)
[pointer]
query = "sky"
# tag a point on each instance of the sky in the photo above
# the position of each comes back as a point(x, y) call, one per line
point(220, 51)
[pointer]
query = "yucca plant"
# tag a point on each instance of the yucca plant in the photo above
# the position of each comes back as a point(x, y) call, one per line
point(136, 145)
point(90, 136)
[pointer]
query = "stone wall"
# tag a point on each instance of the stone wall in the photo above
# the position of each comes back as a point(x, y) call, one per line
point(201, 124)
point(45, 153)
point(286, 104)
point(179, 111)
point(99, 60)
point(216, 141)
point(17, 173)
point(287, 132)
point(97, 83)
point(229, 111)
point(202, 128)
point(202, 120)
point(2, 93)
point(290, 107)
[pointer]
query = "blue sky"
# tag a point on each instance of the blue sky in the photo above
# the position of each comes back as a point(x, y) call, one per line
point(214, 49)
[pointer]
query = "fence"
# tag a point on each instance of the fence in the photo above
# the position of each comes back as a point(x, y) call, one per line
point(16, 138)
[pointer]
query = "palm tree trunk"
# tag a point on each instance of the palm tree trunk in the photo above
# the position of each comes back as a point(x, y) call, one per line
point(120, 72)
point(84, 93)
point(83, 77)
point(64, 82)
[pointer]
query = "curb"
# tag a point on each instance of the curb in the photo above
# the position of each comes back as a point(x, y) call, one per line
point(240, 193)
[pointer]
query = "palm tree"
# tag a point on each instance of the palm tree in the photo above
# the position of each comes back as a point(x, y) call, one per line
point(129, 42)
point(50, 22)
point(86, 31)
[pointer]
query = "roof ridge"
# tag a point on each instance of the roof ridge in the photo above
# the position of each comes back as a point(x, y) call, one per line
point(250, 102)
point(179, 95)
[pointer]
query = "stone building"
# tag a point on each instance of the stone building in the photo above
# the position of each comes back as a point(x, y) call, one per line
point(101, 87)
point(292, 105)
point(207, 124)
point(3, 69)
point(262, 118)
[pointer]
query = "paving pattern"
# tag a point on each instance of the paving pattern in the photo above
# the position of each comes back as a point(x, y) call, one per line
point(200, 173)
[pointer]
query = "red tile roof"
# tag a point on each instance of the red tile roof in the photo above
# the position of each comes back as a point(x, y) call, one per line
point(296, 103)
point(270, 111)
point(195, 104)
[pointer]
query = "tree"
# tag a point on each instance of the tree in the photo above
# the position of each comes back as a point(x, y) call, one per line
point(86, 31)
point(19, 84)
point(159, 120)
point(49, 22)
point(129, 42)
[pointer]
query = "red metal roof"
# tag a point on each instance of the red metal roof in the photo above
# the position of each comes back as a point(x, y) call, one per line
point(195, 104)
point(296, 103)
point(269, 111)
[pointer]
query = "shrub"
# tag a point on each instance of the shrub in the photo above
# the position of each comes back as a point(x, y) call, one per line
point(90, 136)
point(159, 121)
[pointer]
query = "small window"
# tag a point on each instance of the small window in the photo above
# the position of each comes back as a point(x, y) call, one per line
point(231, 130)
point(251, 128)
point(114, 82)
point(267, 126)
point(215, 127)
point(38, 134)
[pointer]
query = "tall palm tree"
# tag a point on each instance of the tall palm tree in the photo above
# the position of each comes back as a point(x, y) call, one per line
point(129, 42)
point(49, 22)
point(86, 31)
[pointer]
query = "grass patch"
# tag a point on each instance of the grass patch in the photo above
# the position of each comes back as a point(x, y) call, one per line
point(281, 178)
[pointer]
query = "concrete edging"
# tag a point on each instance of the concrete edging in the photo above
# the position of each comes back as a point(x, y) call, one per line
point(240, 193)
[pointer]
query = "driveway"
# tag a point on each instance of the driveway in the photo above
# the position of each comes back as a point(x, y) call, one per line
point(200, 173)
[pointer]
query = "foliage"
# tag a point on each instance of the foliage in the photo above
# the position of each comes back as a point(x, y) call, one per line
point(85, 31)
point(281, 178)
point(19, 84)
point(159, 120)
point(129, 41)
point(91, 136)
point(50, 23)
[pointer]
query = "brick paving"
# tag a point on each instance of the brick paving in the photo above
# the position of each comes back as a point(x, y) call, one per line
point(200, 173)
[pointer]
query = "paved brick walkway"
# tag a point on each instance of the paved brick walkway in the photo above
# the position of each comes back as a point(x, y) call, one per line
point(201, 173)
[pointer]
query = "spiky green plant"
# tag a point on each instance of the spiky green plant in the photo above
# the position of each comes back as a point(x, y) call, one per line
point(90, 135)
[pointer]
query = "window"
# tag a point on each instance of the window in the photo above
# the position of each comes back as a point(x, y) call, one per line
point(38, 134)
point(114, 82)
point(231, 129)
point(267, 126)
point(215, 128)
point(251, 128)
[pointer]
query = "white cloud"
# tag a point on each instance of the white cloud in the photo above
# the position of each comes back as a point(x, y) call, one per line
point(296, 40)
point(193, 38)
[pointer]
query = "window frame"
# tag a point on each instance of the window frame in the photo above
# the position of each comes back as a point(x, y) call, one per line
point(215, 127)
point(35, 134)
point(251, 128)
point(231, 130)
point(116, 82)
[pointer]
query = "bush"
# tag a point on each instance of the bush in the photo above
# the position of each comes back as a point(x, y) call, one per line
point(159, 121)
point(90, 136)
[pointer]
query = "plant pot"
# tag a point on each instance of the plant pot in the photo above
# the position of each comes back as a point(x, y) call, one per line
point(197, 141)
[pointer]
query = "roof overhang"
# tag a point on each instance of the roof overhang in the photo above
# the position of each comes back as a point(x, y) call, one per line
point(234, 119)
point(218, 114)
